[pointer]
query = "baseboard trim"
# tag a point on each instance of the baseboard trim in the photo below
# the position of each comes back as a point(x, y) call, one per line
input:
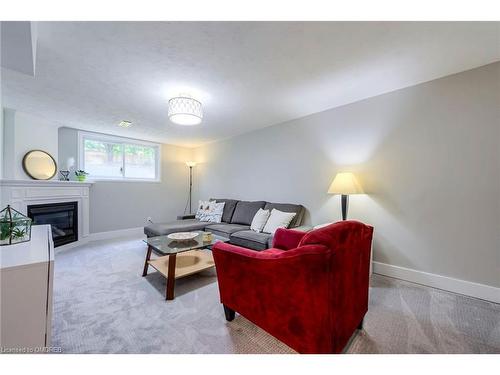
point(120, 233)
point(468, 288)
point(129, 232)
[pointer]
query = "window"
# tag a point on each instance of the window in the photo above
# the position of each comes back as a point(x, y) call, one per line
point(115, 158)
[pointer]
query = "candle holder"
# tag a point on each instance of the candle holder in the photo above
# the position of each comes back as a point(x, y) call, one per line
point(64, 175)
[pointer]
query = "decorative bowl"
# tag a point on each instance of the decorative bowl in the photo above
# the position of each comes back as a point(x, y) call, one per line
point(182, 236)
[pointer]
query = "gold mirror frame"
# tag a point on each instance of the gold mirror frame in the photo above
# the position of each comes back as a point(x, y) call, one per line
point(25, 167)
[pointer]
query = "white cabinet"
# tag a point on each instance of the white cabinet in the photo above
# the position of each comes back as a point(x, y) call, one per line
point(26, 277)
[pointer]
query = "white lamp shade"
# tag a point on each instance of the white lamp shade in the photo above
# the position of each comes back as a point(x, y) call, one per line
point(345, 183)
point(185, 111)
point(70, 163)
point(191, 163)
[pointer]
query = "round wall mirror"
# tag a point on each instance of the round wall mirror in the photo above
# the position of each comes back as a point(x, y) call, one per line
point(39, 165)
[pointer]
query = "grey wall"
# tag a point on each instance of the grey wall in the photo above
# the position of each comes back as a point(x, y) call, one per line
point(123, 205)
point(428, 157)
point(67, 148)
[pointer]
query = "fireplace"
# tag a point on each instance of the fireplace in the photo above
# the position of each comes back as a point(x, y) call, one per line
point(63, 218)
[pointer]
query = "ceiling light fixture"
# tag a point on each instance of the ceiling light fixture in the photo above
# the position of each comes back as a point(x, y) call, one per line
point(125, 124)
point(184, 110)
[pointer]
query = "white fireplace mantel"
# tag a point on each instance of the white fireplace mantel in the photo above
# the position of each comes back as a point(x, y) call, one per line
point(22, 193)
point(50, 183)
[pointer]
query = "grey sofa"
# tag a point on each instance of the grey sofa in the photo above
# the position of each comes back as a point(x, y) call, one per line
point(236, 219)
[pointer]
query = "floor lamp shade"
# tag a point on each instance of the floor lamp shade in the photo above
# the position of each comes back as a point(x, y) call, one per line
point(345, 184)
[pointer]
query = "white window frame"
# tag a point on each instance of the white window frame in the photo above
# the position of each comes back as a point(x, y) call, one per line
point(82, 136)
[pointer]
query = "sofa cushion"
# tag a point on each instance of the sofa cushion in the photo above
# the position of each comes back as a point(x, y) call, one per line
point(251, 240)
point(224, 229)
point(230, 205)
point(288, 207)
point(203, 208)
point(175, 226)
point(245, 211)
point(214, 212)
point(278, 219)
point(259, 220)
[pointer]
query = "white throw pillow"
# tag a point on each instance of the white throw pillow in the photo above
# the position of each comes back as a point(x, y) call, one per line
point(203, 208)
point(259, 220)
point(214, 214)
point(278, 219)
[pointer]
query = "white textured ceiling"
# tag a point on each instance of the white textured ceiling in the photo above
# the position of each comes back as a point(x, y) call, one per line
point(92, 75)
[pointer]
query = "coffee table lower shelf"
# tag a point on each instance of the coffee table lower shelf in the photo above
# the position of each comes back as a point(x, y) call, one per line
point(184, 264)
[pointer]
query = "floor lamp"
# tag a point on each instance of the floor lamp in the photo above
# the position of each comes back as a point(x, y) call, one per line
point(190, 164)
point(345, 184)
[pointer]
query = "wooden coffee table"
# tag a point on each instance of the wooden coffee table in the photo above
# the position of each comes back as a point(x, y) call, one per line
point(179, 258)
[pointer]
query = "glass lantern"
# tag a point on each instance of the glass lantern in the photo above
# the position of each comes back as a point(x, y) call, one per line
point(14, 227)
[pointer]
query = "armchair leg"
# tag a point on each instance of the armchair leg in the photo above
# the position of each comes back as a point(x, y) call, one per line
point(229, 313)
point(360, 326)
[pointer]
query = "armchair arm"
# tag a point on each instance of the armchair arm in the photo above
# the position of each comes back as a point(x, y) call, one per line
point(238, 250)
point(286, 239)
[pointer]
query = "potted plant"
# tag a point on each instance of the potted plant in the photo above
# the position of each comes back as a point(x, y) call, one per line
point(81, 175)
point(14, 227)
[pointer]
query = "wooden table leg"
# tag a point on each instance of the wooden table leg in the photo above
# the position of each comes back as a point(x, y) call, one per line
point(146, 264)
point(171, 277)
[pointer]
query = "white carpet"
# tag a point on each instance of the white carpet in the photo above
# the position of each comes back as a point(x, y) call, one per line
point(103, 305)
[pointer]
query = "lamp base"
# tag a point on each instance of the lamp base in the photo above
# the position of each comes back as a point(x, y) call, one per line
point(345, 204)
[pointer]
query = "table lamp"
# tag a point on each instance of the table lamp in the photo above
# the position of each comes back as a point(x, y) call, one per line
point(345, 184)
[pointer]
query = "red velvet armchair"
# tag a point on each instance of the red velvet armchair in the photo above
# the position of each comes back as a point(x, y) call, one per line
point(310, 290)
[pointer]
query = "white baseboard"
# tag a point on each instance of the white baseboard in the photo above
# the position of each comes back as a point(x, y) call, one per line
point(129, 232)
point(450, 284)
point(69, 246)
point(121, 233)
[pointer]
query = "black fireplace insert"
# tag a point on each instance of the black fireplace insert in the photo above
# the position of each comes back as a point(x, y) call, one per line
point(63, 218)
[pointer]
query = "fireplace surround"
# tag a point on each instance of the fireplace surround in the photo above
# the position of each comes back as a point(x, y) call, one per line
point(23, 193)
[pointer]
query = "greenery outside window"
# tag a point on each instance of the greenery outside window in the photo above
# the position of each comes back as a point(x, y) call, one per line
point(115, 158)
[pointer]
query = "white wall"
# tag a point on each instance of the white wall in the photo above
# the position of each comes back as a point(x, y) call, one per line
point(1, 113)
point(127, 204)
point(428, 157)
point(22, 133)
point(1, 140)
point(9, 117)
point(1, 137)
point(113, 205)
